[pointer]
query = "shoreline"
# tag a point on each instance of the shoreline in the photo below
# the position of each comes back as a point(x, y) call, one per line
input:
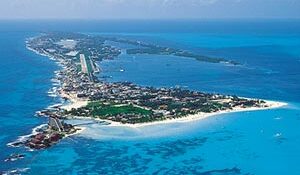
point(190, 118)
point(79, 129)
point(201, 116)
point(74, 102)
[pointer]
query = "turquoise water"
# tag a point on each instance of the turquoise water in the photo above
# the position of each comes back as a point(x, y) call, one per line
point(258, 142)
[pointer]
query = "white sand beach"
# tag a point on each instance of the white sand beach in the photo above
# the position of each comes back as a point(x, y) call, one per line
point(74, 101)
point(269, 105)
point(75, 105)
point(78, 131)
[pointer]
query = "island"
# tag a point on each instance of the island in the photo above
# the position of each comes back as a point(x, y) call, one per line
point(153, 49)
point(120, 103)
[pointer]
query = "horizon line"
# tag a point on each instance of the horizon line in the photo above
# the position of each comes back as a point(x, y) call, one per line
point(148, 19)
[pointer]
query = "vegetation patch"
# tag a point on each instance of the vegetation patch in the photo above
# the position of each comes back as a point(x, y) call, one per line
point(125, 113)
point(100, 109)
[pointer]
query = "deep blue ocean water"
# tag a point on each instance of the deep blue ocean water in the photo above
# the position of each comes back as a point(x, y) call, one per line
point(258, 142)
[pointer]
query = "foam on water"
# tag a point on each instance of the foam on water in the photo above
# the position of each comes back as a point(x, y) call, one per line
point(24, 138)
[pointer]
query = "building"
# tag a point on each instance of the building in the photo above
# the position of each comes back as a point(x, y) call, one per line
point(56, 124)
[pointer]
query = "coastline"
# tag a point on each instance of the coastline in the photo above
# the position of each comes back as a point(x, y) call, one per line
point(76, 103)
point(263, 141)
point(201, 116)
point(78, 131)
point(191, 118)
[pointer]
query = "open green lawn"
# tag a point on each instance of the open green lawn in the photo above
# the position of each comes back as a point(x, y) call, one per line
point(100, 109)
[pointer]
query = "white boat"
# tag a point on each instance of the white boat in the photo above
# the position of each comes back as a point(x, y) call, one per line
point(278, 135)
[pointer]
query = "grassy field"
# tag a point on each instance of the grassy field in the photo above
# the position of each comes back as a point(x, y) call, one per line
point(100, 109)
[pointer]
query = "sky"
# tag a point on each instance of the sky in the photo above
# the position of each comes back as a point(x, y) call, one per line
point(148, 9)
